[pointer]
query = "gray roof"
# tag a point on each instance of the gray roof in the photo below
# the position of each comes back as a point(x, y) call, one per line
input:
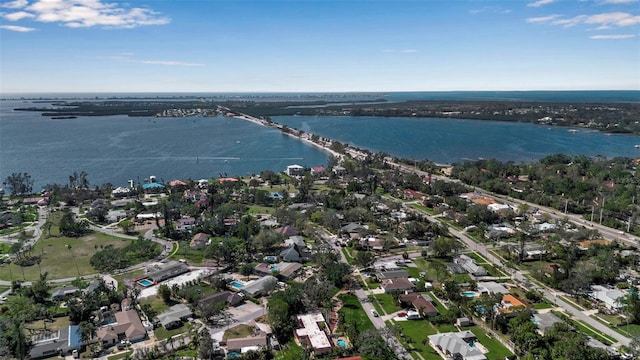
point(492, 287)
point(545, 321)
point(393, 274)
point(63, 291)
point(257, 287)
point(174, 314)
point(457, 343)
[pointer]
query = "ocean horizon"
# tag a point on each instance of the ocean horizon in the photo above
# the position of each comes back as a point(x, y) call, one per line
point(116, 149)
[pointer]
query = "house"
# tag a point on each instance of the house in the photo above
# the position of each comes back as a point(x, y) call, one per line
point(317, 170)
point(287, 231)
point(246, 344)
point(421, 302)
point(463, 321)
point(61, 292)
point(456, 345)
point(126, 327)
point(545, 322)
point(61, 342)
point(163, 271)
point(199, 241)
point(610, 298)
point(226, 296)
point(186, 223)
point(294, 170)
point(498, 208)
point(354, 228)
point(174, 316)
point(260, 286)
point(372, 243)
point(295, 253)
point(284, 270)
point(393, 274)
point(312, 334)
point(491, 287)
point(470, 265)
point(511, 305)
point(93, 285)
point(397, 285)
point(531, 252)
point(339, 170)
point(114, 216)
point(295, 240)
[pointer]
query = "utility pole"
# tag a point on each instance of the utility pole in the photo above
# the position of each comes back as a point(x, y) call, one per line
point(593, 208)
point(601, 210)
point(566, 204)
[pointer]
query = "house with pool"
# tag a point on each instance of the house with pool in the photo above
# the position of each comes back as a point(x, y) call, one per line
point(283, 270)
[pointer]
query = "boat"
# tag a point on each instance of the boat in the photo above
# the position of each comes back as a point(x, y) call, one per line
point(572, 130)
point(637, 146)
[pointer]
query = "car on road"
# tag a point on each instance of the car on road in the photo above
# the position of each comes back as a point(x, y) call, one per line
point(374, 313)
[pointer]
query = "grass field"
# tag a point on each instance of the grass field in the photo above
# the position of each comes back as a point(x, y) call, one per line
point(60, 261)
point(497, 351)
point(238, 332)
point(57, 324)
point(162, 333)
point(414, 337)
point(388, 304)
point(354, 313)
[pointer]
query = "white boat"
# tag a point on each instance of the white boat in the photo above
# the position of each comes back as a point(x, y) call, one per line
point(637, 146)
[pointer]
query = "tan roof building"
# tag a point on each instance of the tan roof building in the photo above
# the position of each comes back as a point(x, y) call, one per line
point(127, 326)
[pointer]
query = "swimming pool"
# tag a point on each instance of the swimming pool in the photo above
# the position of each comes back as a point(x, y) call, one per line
point(273, 267)
point(271, 259)
point(342, 343)
point(470, 293)
point(236, 284)
point(146, 282)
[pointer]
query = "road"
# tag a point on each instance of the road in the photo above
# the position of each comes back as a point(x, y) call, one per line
point(550, 294)
point(377, 321)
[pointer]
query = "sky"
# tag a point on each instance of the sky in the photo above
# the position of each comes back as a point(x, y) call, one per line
point(75, 46)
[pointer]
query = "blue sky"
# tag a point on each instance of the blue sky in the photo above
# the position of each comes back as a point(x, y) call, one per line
point(324, 45)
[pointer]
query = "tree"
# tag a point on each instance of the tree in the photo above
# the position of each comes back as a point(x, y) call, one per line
point(19, 183)
point(126, 226)
point(364, 259)
point(165, 293)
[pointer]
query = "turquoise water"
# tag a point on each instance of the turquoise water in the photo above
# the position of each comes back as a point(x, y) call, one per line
point(236, 284)
point(273, 267)
point(469, 293)
point(145, 282)
point(342, 343)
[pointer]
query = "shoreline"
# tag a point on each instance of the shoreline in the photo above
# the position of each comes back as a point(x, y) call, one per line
point(303, 138)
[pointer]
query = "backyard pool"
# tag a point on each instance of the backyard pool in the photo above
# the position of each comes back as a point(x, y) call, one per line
point(146, 282)
point(470, 294)
point(273, 267)
point(236, 284)
point(342, 343)
point(271, 259)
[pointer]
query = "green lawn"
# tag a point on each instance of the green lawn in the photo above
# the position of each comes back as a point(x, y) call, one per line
point(584, 328)
point(354, 313)
point(414, 337)
point(120, 356)
point(544, 305)
point(131, 275)
point(238, 332)
point(388, 304)
point(156, 303)
point(60, 261)
point(162, 333)
point(193, 257)
point(631, 329)
point(497, 351)
point(347, 256)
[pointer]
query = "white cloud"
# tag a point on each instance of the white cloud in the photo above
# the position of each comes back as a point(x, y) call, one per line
point(542, 19)
point(85, 13)
point(612, 37)
point(408, 51)
point(16, 4)
point(604, 20)
point(19, 15)
point(540, 3)
point(17, 28)
point(614, 18)
point(618, 1)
